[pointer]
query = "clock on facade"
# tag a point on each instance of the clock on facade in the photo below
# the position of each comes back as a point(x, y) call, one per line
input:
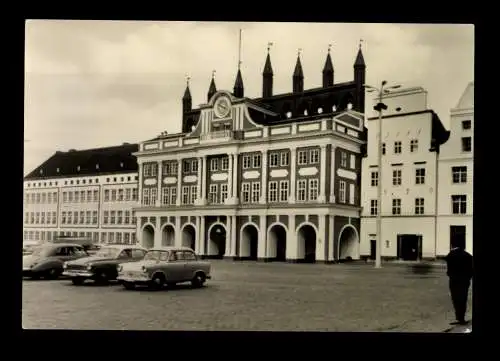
point(222, 107)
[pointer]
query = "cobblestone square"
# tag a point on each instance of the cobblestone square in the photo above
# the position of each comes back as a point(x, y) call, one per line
point(254, 296)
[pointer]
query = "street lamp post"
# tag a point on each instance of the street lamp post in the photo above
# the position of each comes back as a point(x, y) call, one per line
point(380, 107)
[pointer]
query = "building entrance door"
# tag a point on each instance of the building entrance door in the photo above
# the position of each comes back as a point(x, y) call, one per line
point(457, 236)
point(409, 247)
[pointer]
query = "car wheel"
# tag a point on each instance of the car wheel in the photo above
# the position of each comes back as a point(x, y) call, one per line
point(53, 274)
point(128, 285)
point(77, 281)
point(102, 277)
point(198, 280)
point(157, 282)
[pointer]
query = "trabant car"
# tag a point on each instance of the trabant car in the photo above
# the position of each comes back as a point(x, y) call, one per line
point(47, 259)
point(165, 266)
point(101, 266)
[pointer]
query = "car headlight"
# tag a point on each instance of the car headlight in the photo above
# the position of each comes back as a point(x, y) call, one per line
point(89, 266)
point(65, 265)
point(119, 268)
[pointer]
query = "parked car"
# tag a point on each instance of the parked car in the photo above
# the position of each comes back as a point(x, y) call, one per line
point(47, 259)
point(165, 266)
point(102, 266)
point(87, 243)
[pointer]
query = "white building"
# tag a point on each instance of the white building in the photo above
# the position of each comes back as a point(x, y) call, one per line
point(456, 178)
point(86, 193)
point(412, 135)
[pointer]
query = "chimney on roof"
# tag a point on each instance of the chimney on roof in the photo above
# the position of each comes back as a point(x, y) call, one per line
point(72, 150)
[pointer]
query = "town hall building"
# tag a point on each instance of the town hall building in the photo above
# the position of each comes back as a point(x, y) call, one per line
point(274, 178)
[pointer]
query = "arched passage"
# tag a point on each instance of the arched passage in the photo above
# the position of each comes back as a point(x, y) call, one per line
point(348, 243)
point(276, 241)
point(148, 236)
point(189, 236)
point(306, 243)
point(168, 236)
point(217, 240)
point(249, 242)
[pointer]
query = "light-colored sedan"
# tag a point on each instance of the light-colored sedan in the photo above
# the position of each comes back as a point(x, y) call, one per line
point(165, 266)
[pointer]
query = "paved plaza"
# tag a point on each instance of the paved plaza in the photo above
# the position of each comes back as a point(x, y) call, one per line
point(254, 296)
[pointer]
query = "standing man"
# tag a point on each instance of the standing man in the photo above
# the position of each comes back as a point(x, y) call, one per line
point(459, 263)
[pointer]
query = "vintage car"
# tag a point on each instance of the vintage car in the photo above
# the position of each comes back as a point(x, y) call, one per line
point(165, 266)
point(102, 266)
point(47, 259)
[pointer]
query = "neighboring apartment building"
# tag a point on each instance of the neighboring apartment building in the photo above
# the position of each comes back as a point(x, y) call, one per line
point(273, 178)
point(412, 136)
point(456, 165)
point(83, 193)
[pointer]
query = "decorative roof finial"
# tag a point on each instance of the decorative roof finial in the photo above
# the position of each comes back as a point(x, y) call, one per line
point(329, 47)
point(269, 46)
point(188, 78)
point(360, 43)
point(213, 74)
point(299, 51)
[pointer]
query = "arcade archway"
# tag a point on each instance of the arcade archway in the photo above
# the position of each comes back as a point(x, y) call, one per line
point(189, 236)
point(348, 244)
point(306, 242)
point(168, 236)
point(249, 242)
point(148, 237)
point(217, 240)
point(277, 243)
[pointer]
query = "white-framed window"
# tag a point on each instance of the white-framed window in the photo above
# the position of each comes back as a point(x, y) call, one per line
point(313, 189)
point(225, 163)
point(343, 159)
point(420, 176)
point(135, 193)
point(459, 174)
point(284, 191)
point(128, 194)
point(126, 239)
point(82, 217)
point(247, 161)
point(145, 196)
point(255, 192)
point(302, 157)
point(285, 159)
point(301, 190)
point(342, 191)
point(186, 166)
point(165, 195)
point(413, 145)
point(127, 217)
point(119, 217)
point(194, 194)
point(459, 204)
point(245, 192)
point(214, 164)
point(54, 196)
point(466, 144)
point(466, 124)
point(274, 159)
point(185, 194)
point(154, 196)
point(165, 169)
point(118, 237)
point(77, 196)
point(373, 207)
point(212, 193)
point(147, 170)
point(194, 165)
point(89, 196)
point(120, 195)
point(113, 195)
point(173, 195)
point(42, 218)
point(351, 193)
point(49, 197)
point(397, 147)
point(314, 156)
point(82, 196)
point(154, 169)
point(94, 217)
point(419, 206)
point(273, 191)
point(374, 180)
point(96, 196)
point(396, 206)
point(396, 177)
point(112, 217)
point(54, 217)
point(65, 197)
point(223, 193)
point(257, 160)
point(352, 161)
point(88, 217)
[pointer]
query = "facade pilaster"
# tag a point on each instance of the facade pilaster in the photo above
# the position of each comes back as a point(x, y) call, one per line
point(234, 235)
point(263, 195)
point(262, 243)
point(321, 239)
point(157, 235)
point(159, 177)
point(229, 235)
point(291, 239)
point(235, 178)
point(202, 236)
point(332, 174)
point(331, 243)
point(178, 238)
point(179, 183)
point(293, 180)
point(322, 182)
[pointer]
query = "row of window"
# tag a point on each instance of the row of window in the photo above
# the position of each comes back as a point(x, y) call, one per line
point(118, 217)
point(40, 218)
point(120, 195)
point(106, 237)
point(43, 198)
point(397, 177)
point(83, 181)
point(398, 146)
point(458, 205)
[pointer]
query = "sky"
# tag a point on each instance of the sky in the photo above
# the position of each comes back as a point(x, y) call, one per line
point(102, 83)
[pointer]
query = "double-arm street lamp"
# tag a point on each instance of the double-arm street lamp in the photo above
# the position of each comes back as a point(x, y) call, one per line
point(380, 107)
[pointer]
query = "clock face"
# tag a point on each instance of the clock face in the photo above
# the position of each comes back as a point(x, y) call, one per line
point(222, 107)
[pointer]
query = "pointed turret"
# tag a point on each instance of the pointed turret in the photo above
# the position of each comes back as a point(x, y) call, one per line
point(267, 75)
point(328, 70)
point(212, 89)
point(298, 76)
point(238, 89)
point(359, 79)
point(186, 99)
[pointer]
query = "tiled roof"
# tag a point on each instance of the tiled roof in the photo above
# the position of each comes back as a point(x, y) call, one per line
point(116, 159)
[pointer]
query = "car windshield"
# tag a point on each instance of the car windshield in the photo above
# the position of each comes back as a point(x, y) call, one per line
point(156, 255)
point(109, 252)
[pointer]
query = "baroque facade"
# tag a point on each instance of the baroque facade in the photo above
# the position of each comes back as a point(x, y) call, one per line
point(271, 178)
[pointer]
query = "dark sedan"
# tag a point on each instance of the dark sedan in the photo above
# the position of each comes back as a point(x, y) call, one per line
point(102, 266)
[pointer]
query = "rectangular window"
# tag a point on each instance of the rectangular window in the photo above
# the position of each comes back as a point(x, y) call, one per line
point(54, 217)
point(420, 176)
point(342, 191)
point(49, 197)
point(419, 206)
point(396, 177)
point(396, 206)
point(147, 170)
point(225, 163)
point(374, 180)
point(459, 174)
point(113, 217)
point(65, 197)
point(413, 145)
point(119, 217)
point(257, 161)
point(165, 195)
point(212, 194)
point(94, 217)
point(302, 155)
point(113, 195)
point(127, 217)
point(54, 197)
point(273, 191)
point(82, 196)
point(82, 217)
point(397, 147)
point(343, 159)
point(373, 207)
point(63, 218)
point(106, 195)
point(246, 161)
point(173, 195)
point(145, 196)
point(314, 156)
point(466, 144)
point(459, 204)
point(466, 124)
point(301, 190)
point(128, 194)
point(186, 166)
point(154, 169)
point(135, 193)
point(194, 166)
point(88, 217)
point(284, 159)
point(185, 194)
point(284, 191)
point(223, 193)
point(70, 197)
point(89, 196)
point(194, 194)
point(42, 218)
point(245, 192)
point(273, 159)
point(77, 196)
point(127, 238)
point(255, 192)
point(154, 196)
point(353, 161)
point(120, 195)
point(96, 196)
point(313, 189)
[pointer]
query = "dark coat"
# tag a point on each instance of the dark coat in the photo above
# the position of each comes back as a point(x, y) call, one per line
point(459, 263)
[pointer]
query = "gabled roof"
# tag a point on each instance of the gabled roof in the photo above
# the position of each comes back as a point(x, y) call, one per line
point(467, 99)
point(116, 159)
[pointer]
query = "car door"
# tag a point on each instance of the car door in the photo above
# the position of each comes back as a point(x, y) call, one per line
point(189, 264)
point(175, 267)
